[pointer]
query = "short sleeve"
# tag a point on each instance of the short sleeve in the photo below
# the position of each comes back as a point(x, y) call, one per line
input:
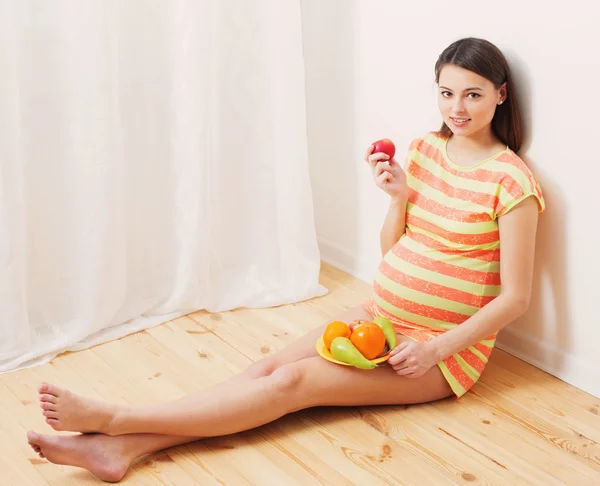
point(411, 152)
point(517, 184)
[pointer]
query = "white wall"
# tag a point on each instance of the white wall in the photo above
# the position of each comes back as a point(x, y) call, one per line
point(369, 74)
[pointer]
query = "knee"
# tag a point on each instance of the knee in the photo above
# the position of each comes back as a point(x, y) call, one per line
point(288, 379)
point(259, 369)
point(284, 379)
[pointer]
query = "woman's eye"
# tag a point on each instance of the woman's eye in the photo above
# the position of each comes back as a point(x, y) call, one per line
point(473, 95)
point(446, 94)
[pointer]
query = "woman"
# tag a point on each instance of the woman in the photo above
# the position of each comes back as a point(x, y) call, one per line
point(463, 194)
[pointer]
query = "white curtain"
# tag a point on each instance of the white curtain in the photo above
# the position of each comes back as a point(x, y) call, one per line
point(153, 162)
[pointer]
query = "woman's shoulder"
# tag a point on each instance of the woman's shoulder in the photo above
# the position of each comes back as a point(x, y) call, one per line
point(427, 140)
point(511, 163)
point(518, 181)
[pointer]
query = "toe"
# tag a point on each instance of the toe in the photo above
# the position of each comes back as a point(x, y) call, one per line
point(47, 406)
point(32, 437)
point(49, 389)
point(44, 397)
point(50, 414)
point(54, 423)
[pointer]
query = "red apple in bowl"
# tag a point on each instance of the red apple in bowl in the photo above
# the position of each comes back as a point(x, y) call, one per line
point(356, 323)
point(386, 146)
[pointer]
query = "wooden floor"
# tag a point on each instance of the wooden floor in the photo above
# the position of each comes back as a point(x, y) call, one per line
point(518, 425)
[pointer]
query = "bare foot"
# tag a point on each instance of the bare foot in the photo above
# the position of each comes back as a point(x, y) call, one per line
point(100, 454)
point(64, 410)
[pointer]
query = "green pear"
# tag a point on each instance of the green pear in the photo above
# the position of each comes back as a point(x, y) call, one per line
point(388, 329)
point(342, 349)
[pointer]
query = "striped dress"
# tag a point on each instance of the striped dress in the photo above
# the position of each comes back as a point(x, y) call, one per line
point(446, 266)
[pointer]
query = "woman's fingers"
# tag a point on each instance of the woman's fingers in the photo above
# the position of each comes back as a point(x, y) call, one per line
point(383, 178)
point(382, 167)
point(378, 157)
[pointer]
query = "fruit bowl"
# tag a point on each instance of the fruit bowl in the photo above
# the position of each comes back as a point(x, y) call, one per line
point(325, 353)
point(362, 344)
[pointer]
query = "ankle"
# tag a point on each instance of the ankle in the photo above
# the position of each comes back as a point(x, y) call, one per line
point(117, 420)
point(124, 449)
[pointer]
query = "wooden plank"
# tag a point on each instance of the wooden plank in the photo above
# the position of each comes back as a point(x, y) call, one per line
point(363, 454)
point(458, 464)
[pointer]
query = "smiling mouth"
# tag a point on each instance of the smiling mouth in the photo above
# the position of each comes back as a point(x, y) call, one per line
point(459, 121)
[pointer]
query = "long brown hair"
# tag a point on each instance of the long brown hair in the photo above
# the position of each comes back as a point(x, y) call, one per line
point(484, 58)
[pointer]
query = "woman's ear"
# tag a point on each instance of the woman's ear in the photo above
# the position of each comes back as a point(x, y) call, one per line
point(502, 93)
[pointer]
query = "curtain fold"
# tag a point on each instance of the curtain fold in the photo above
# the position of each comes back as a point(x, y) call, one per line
point(153, 162)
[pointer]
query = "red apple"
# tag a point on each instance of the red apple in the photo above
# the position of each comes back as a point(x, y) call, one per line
point(386, 146)
point(356, 323)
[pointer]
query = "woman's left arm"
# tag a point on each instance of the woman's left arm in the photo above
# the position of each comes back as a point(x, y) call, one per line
point(518, 230)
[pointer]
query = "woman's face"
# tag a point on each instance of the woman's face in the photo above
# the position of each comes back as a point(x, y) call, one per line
point(467, 101)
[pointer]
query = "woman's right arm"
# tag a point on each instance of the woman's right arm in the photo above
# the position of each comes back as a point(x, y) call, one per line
point(394, 224)
point(390, 178)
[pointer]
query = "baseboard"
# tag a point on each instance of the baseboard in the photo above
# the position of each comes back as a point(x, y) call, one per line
point(546, 356)
point(566, 366)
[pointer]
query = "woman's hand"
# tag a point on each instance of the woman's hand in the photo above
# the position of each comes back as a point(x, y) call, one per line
point(412, 359)
point(387, 173)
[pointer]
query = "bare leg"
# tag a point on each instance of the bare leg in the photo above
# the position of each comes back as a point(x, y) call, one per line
point(107, 457)
point(82, 414)
point(295, 386)
point(321, 383)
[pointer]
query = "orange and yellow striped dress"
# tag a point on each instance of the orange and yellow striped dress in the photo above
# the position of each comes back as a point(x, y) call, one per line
point(446, 266)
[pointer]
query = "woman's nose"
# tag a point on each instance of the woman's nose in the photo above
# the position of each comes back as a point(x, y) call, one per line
point(458, 106)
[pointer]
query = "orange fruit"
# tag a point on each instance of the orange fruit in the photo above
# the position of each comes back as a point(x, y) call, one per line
point(335, 329)
point(369, 339)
